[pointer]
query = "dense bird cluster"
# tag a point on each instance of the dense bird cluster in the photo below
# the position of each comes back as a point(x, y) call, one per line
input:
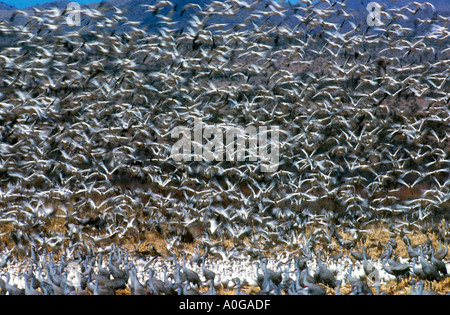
point(86, 115)
point(305, 273)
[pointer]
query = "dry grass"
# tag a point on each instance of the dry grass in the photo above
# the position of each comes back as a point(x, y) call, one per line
point(374, 239)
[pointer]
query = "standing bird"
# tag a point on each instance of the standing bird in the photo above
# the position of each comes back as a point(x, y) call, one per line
point(156, 286)
point(314, 289)
point(442, 252)
point(4, 258)
point(116, 271)
point(102, 271)
point(208, 274)
point(412, 252)
point(357, 284)
point(439, 264)
point(196, 258)
point(190, 275)
point(429, 269)
point(418, 272)
point(136, 288)
point(29, 290)
point(323, 274)
point(395, 268)
point(367, 266)
point(357, 255)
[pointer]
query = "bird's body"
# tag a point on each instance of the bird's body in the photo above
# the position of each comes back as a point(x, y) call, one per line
point(190, 275)
point(314, 289)
point(395, 268)
point(429, 269)
point(323, 274)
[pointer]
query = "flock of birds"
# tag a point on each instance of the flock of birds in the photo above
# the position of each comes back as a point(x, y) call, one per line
point(86, 116)
point(302, 274)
